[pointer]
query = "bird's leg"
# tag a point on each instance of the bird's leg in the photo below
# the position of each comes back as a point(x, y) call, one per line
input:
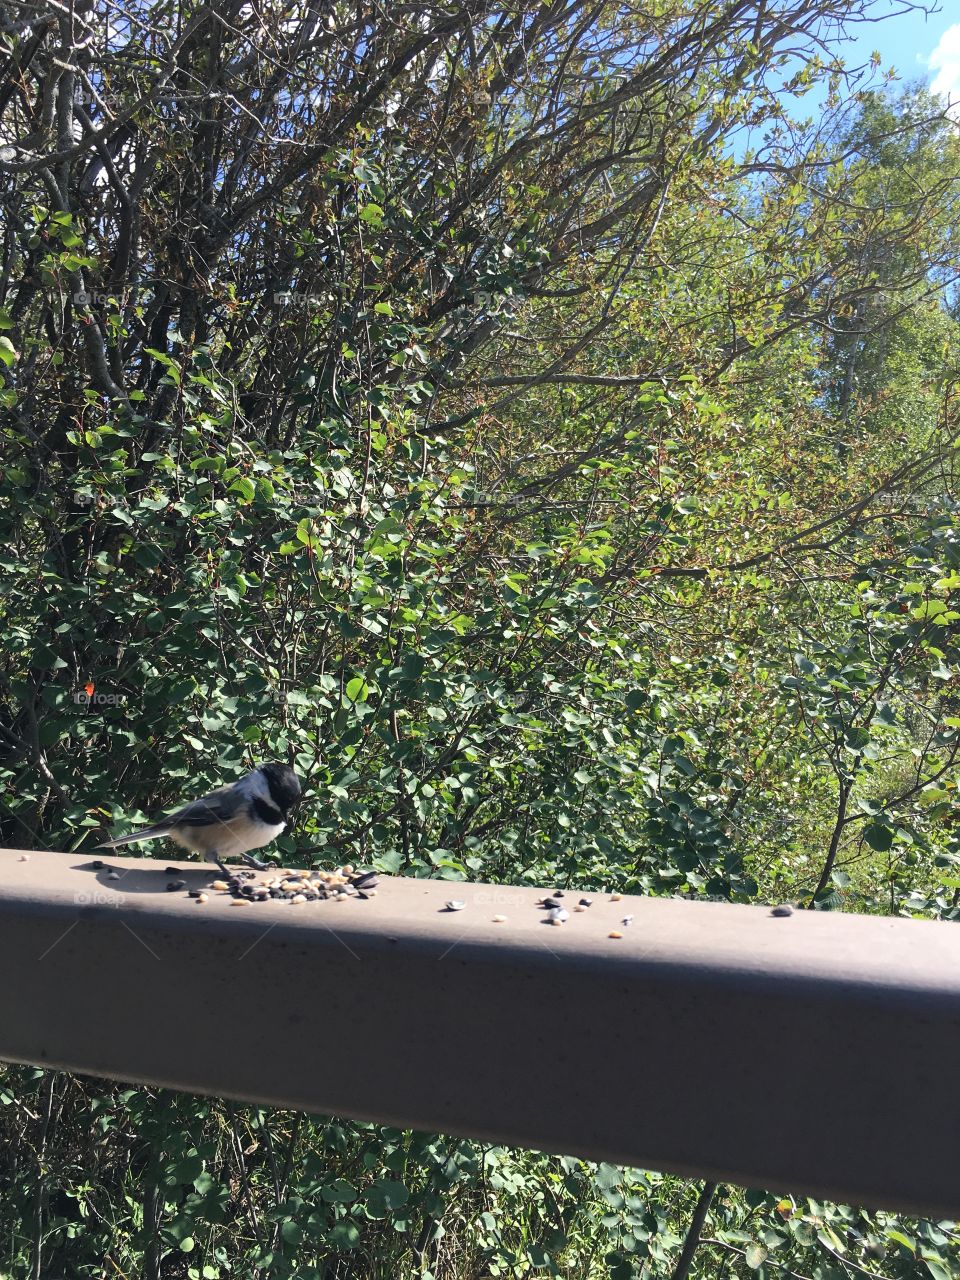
point(212, 857)
point(251, 861)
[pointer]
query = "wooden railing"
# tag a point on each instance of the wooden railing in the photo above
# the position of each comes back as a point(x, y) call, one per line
point(718, 1041)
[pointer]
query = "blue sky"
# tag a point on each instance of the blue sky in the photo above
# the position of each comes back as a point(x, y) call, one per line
point(917, 46)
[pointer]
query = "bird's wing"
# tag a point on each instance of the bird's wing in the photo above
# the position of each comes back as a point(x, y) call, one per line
point(219, 806)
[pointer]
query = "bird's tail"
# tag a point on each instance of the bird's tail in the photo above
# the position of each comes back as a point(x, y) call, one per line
point(148, 833)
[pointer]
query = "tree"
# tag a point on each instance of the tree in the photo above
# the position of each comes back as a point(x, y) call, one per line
point(446, 400)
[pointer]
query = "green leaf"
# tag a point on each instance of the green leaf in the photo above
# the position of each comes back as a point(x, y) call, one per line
point(8, 353)
point(929, 609)
point(878, 837)
point(208, 463)
point(291, 1232)
point(754, 1255)
point(185, 1170)
point(339, 1192)
point(607, 1176)
point(938, 1268)
point(385, 1196)
point(345, 1235)
point(357, 689)
point(389, 862)
point(803, 1231)
point(907, 1242)
point(307, 534)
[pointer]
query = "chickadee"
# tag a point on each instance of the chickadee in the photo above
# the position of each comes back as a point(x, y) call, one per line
point(230, 821)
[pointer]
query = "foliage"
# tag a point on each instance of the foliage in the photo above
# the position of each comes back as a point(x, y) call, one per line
point(523, 423)
point(159, 1184)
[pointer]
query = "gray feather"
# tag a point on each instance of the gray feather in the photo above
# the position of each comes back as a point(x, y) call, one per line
point(146, 833)
point(218, 806)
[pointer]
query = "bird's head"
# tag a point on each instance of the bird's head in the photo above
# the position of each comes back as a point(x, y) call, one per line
point(283, 784)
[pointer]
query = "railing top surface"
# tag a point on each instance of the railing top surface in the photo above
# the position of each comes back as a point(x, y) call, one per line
point(719, 938)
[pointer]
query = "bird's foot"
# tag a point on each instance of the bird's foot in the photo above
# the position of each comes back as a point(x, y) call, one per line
point(251, 861)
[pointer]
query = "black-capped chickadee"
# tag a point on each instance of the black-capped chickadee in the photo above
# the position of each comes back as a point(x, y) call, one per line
point(230, 821)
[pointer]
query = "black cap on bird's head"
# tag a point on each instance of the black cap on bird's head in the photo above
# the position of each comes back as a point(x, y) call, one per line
point(283, 783)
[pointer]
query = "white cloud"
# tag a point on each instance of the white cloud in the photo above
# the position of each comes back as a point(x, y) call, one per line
point(945, 61)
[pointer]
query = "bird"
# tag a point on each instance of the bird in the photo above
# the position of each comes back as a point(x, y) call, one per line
point(229, 822)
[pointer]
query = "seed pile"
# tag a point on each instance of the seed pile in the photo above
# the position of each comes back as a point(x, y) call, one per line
point(291, 886)
point(346, 882)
